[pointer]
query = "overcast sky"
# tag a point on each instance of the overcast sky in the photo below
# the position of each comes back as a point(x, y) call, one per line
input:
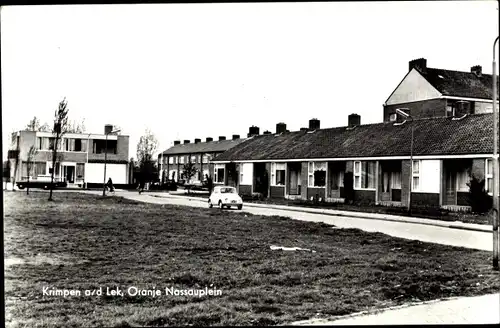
point(190, 71)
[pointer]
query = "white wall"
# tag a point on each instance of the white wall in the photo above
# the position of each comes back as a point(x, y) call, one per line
point(483, 107)
point(247, 170)
point(430, 176)
point(94, 173)
point(413, 88)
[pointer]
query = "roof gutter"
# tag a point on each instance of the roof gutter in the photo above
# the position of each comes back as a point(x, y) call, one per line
point(379, 158)
point(469, 99)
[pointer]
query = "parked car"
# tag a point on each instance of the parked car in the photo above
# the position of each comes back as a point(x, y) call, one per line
point(41, 182)
point(225, 196)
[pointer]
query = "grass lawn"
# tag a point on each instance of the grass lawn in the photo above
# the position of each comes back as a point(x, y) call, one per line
point(83, 242)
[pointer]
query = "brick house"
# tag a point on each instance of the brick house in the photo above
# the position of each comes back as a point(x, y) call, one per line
point(80, 157)
point(312, 162)
point(433, 92)
point(171, 161)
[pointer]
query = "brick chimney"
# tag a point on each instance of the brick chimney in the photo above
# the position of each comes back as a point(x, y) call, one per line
point(280, 128)
point(222, 138)
point(267, 132)
point(253, 131)
point(108, 128)
point(197, 141)
point(236, 136)
point(177, 142)
point(314, 124)
point(478, 70)
point(353, 120)
point(209, 139)
point(420, 64)
point(186, 141)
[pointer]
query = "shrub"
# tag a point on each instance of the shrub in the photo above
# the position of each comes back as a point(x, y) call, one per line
point(479, 200)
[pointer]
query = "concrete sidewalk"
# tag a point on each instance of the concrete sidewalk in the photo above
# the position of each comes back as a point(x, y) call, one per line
point(365, 215)
point(463, 310)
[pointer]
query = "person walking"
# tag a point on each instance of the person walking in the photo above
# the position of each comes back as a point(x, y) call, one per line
point(110, 186)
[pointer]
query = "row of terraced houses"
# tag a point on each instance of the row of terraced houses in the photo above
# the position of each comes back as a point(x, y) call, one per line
point(452, 127)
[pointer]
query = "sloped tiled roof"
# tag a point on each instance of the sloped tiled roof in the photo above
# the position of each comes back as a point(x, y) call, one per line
point(205, 147)
point(460, 84)
point(432, 136)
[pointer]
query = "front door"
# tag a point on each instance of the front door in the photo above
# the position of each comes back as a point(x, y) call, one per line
point(294, 189)
point(70, 174)
point(451, 188)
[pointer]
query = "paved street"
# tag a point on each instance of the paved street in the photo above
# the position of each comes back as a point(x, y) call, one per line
point(442, 235)
point(465, 310)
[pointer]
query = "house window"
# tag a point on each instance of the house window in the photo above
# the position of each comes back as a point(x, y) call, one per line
point(219, 173)
point(170, 160)
point(396, 180)
point(205, 159)
point(246, 173)
point(489, 176)
point(364, 175)
point(193, 159)
point(181, 159)
point(393, 117)
point(80, 170)
point(317, 174)
point(450, 110)
point(40, 168)
point(415, 175)
point(78, 144)
point(463, 179)
point(278, 174)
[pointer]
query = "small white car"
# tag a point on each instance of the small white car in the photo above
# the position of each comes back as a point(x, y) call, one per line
point(225, 196)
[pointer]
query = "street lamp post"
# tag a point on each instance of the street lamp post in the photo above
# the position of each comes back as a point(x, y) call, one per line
point(495, 165)
point(401, 111)
point(105, 160)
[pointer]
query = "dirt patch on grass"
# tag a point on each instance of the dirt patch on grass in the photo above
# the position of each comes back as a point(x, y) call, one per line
point(112, 242)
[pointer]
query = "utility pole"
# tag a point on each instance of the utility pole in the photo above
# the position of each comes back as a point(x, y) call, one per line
point(495, 165)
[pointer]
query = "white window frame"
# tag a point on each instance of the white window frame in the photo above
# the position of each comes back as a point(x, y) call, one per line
point(416, 175)
point(205, 159)
point(311, 168)
point(217, 167)
point(358, 173)
point(193, 159)
point(170, 160)
point(181, 159)
point(277, 167)
point(488, 175)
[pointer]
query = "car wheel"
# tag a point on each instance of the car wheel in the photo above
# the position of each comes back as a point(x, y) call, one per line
point(210, 205)
point(220, 204)
point(240, 207)
point(20, 186)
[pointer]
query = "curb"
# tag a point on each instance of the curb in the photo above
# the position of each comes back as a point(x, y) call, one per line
point(365, 217)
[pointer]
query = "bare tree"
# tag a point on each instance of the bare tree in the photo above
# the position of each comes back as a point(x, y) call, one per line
point(188, 171)
point(146, 147)
point(76, 127)
point(29, 165)
point(34, 125)
point(59, 129)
